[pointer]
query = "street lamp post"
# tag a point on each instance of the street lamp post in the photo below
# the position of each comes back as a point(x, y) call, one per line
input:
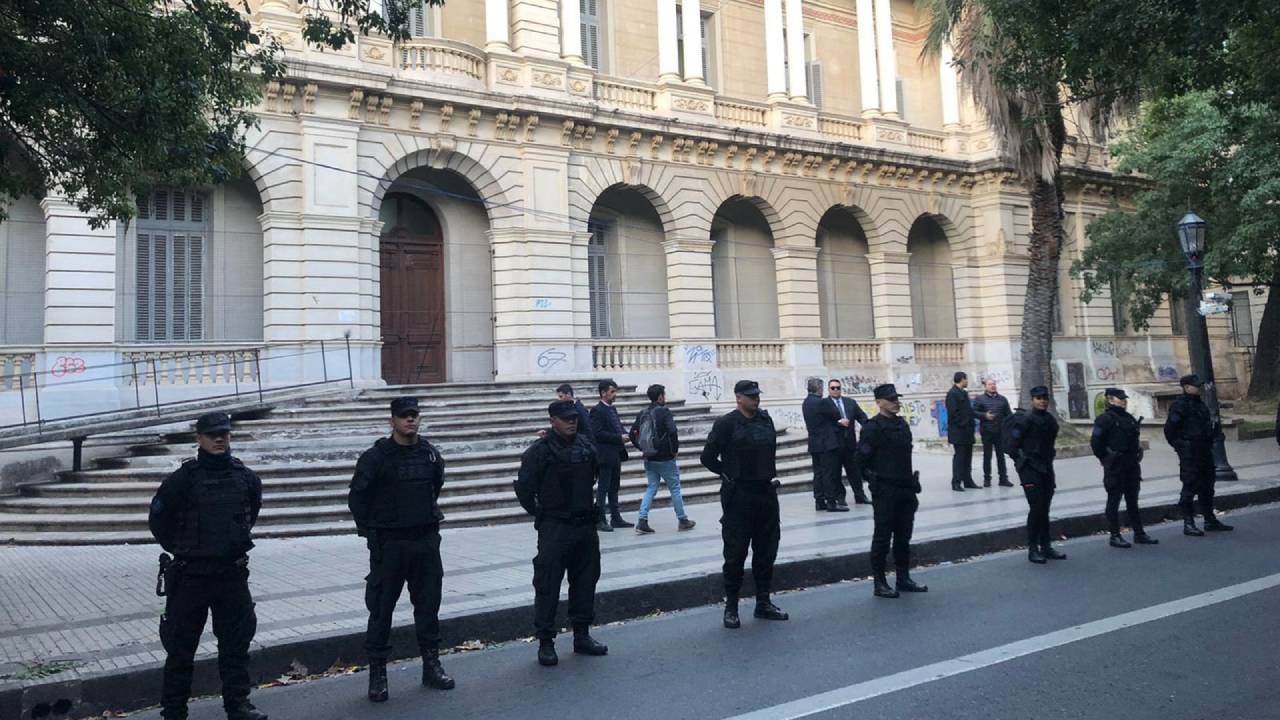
point(1191, 234)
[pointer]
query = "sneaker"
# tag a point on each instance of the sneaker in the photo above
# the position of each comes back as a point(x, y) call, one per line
point(687, 524)
point(642, 527)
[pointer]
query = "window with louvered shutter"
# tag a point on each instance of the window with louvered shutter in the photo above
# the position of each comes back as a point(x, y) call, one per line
point(169, 266)
point(813, 71)
point(590, 26)
point(421, 20)
point(597, 280)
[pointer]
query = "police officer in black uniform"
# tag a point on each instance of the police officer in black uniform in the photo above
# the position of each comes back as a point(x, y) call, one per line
point(203, 514)
point(884, 459)
point(742, 449)
point(393, 500)
point(555, 486)
point(1116, 444)
point(1191, 430)
point(1031, 444)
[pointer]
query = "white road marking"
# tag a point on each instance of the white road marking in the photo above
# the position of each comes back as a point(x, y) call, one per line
point(848, 695)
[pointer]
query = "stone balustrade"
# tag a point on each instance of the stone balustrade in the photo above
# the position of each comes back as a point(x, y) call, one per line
point(931, 142)
point(625, 94)
point(14, 363)
point(738, 112)
point(846, 128)
point(173, 366)
point(850, 353)
point(624, 356)
point(751, 354)
point(940, 351)
point(443, 61)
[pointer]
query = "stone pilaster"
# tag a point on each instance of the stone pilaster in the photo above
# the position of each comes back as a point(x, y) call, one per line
point(891, 294)
point(690, 302)
point(797, 273)
point(80, 277)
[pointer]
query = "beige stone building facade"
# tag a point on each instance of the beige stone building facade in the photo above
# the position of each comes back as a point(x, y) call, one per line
point(677, 191)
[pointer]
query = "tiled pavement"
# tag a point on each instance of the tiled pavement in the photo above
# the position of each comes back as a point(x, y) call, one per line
point(96, 605)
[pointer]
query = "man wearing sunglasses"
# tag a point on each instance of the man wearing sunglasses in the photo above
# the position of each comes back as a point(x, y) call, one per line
point(393, 499)
point(850, 413)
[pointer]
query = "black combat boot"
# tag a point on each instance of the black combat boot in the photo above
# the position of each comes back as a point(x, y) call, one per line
point(1004, 482)
point(378, 681)
point(603, 525)
point(174, 713)
point(1052, 553)
point(1033, 554)
point(731, 619)
point(906, 584)
point(766, 610)
point(584, 644)
point(433, 674)
point(882, 588)
point(1142, 538)
point(617, 521)
point(547, 652)
point(1118, 541)
point(956, 486)
point(1189, 520)
point(836, 506)
point(1211, 521)
point(970, 485)
point(244, 710)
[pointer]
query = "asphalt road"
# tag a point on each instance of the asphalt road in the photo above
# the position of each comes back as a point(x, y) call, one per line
point(1186, 629)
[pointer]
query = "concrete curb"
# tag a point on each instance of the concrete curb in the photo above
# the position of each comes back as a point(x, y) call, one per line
point(139, 687)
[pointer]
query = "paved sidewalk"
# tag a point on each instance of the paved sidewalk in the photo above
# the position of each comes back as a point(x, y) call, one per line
point(96, 605)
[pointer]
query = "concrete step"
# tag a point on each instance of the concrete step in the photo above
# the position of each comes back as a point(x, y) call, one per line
point(462, 414)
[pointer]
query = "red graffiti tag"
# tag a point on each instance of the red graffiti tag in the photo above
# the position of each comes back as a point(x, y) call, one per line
point(67, 365)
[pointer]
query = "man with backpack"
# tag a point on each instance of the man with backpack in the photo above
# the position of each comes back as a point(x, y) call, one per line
point(654, 433)
point(1030, 439)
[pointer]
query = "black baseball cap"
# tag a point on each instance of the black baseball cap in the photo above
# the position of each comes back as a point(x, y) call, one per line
point(1116, 393)
point(214, 422)
point(886, 392)
point(403, 405)
point(1040, 391)
point(1191, 379)
point(565, 388)
point(746, 387)
point(563, 409)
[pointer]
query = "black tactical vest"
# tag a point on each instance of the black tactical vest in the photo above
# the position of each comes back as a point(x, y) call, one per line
point(566, 486)
point(751, 455)
point(404, 494)
point(214, 520)
point(891, 438)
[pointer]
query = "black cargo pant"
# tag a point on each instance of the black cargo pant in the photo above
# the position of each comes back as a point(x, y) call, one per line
point(962, 464)
point(991, 444)
point(1196, 470)
point(1039, 487)
point(194, 593)
point(398, 558)
point(572, 547)
point(1124, 482)
point(749, 521)
point(895, 516)
point(610, 480)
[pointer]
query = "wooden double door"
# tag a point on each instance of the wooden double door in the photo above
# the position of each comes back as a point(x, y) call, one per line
point(412, 302)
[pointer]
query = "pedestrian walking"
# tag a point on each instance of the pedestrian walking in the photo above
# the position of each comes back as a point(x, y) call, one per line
point(1191, 430)
point(611, 452)
point(554, 486)
point(992, 408)
point(394, 500)
point(1117, 445)
point(1032, 445)
point(960, 422)
point(821, 424)
point(655, 434)
point(203, 516)
point(742, 449)
point(850, 413)
point(884, 457)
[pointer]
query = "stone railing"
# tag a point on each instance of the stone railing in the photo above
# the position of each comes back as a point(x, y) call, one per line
point(738, 112)
point(926, 140)
point(848, 353)
point(940, 351)
point(442, 61)
point(759, 353)
point(171, 366)
point(845, 128)
point(640, 355)
point(14, 363)
point(626, 94)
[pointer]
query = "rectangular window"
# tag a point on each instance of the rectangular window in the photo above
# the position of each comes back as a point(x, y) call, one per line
point(813, 73)
point(590, 25)
point(421, 20)
point(1241, 320)
point(598, 280)
point(707, 37)
point(172, 228)
point(1118, 323)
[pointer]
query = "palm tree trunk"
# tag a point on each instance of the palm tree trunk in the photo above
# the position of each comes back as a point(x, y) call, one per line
point(1265, 383)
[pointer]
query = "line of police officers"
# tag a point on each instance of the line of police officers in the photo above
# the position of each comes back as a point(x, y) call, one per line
point(204, 513)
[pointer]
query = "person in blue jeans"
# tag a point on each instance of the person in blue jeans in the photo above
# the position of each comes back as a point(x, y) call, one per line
point(660, 458)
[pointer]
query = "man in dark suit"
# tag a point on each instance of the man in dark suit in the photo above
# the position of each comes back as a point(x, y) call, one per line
point(850, 413)
point(821, 422)
point(960, 423)
point(611, 451)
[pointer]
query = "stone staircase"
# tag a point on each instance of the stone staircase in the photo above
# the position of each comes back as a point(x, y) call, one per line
point(305, 454)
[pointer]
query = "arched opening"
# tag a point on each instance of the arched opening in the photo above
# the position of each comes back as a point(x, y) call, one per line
point(844, 277)
point(435, 280)
point(22, 273)
point(933, 296)
point(743, 273)
point(626, 267)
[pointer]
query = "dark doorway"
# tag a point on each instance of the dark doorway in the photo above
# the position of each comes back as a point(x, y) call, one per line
point(412, 292)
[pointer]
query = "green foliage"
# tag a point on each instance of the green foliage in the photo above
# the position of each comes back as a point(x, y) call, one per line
point(1196, 153)
point(102, 99)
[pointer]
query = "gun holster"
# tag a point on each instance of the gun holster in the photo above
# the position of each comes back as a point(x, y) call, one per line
point(166, 561)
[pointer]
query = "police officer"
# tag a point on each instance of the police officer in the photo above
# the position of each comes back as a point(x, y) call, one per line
point(393, 500)
point(555, 486)
point(884, 459)
point(1191, 429)
point(1031, 445)
point(1116, 444)
point(742, 449)
point(203, 514)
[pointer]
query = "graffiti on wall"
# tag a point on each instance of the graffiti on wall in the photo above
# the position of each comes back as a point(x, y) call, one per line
point(700, 355)
point(551, 358)
point(705, 384)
